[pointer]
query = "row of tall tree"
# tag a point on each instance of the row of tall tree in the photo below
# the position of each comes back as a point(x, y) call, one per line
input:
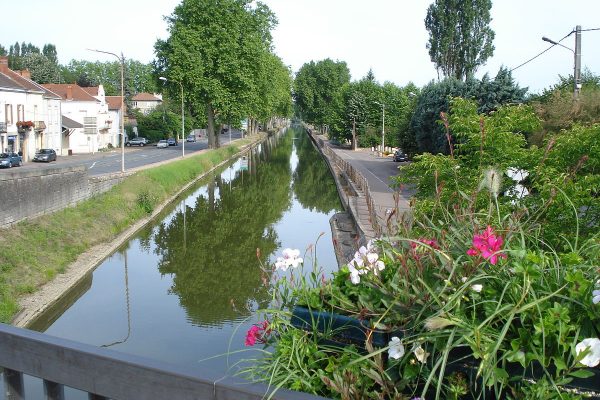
point(221, 52)
point(44, 68)
point(353, 110)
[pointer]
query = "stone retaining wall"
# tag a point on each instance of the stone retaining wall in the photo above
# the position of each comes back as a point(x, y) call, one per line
point(30, 193)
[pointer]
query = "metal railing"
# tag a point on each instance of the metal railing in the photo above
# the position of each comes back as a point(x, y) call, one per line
point(358, 179)
point(104, 373)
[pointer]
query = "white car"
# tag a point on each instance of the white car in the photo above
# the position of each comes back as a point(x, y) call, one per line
point(191, 138)
point(162, 143)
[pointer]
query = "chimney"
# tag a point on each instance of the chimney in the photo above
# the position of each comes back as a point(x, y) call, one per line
point(4, 64)
point(25, 74)
point(69, 92)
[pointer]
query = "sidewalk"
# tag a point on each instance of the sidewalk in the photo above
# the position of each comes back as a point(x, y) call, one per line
point(376, 207)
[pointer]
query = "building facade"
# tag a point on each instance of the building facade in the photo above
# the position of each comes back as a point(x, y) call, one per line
point(29, 114)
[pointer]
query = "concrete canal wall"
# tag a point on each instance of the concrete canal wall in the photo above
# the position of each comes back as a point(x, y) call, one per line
point(30, 193)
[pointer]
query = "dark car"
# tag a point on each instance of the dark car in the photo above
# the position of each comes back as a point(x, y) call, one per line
point(400, 156)
point(9, 160)
point(172, 142)
point(45, 155)
point(138, 141)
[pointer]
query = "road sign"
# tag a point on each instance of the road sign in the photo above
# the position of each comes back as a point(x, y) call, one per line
point(244, 164)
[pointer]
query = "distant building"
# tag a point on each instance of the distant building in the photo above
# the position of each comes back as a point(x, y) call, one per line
point(88, 107)
point(114, 114)
point(29, 114)
point(146, 102)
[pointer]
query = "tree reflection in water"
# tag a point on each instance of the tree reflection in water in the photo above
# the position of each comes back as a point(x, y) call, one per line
point(218, 266)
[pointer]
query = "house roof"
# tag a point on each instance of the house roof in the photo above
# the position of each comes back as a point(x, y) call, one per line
point(93, 90)
point(77, 92)
point(114, 102)
point(70, 124)
point(145, 97)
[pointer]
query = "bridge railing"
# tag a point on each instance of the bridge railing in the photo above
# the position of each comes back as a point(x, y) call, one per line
point(108, 374)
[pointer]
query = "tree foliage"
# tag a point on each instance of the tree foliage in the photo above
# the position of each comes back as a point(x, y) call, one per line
point(489, 94)
point(460, 38)
point(559, 110)
point(318, 89)
point(222, 54)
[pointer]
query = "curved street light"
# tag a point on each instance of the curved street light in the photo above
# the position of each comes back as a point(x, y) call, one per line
point(162, 78)
point(576, 56)
point(122, 61)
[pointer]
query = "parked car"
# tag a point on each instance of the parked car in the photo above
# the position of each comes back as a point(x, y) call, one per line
point(172, 142)
point(400, 156)
point(45, 155)
point(9, 160)
point(138, 141)
point(162, 143)
point(191, 138)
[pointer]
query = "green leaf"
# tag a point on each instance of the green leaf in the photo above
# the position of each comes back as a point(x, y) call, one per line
point(582, 373)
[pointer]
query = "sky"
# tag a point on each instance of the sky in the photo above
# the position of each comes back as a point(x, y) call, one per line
point(387, 36)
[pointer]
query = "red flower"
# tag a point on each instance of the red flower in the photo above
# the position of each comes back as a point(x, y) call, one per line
point(487, 245)
point(257, 333)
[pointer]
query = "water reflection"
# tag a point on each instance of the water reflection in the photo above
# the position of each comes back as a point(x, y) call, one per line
point(185, 288)
point(210, 248)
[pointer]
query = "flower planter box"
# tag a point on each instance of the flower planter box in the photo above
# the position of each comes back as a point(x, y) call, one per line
point(343, 329)
point(461, 360)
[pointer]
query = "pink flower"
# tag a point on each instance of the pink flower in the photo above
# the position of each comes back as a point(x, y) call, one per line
point(487, 245)
point(257, 333)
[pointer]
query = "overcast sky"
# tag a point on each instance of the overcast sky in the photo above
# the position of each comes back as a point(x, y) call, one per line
point(387, 36)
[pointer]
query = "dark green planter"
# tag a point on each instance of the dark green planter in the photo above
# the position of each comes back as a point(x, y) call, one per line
point(341, 329)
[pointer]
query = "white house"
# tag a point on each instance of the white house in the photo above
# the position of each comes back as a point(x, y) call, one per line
point(29, 114)
point(114, 114)
point(146, 102)
point(89, 110)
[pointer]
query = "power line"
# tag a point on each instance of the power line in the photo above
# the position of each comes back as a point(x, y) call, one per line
point(536, 56)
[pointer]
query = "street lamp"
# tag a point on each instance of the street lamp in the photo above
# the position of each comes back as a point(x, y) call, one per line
point(162, 78)
point(122, 61)
point(577, 58)
point(382, 126)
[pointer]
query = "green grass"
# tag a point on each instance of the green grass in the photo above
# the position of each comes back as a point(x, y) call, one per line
point(34, 252)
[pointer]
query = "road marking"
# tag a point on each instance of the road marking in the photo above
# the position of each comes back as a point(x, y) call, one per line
point(92, 166)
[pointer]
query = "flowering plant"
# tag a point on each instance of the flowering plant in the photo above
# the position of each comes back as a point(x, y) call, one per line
point(25, 124)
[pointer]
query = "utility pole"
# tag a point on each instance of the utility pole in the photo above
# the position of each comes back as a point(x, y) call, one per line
point(577, 69)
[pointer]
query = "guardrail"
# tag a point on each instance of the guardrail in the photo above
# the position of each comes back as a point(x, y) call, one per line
point(358, 179)
point(105, 373)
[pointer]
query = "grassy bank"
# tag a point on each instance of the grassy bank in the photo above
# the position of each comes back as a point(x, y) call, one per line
point(34, 252)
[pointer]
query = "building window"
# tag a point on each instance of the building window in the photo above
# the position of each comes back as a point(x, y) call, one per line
point(8, 114)
point(20, 112)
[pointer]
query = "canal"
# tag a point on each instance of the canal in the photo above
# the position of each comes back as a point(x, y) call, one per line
point(186, 288)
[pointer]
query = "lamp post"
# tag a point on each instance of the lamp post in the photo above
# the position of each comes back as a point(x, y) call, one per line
point(577, 59)
point(382, 126)
point(162, 78)
point(122, 61)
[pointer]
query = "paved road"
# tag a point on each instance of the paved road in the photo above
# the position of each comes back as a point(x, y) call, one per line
point(102, 163)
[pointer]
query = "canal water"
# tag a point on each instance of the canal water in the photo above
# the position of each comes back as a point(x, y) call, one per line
point(186, 288)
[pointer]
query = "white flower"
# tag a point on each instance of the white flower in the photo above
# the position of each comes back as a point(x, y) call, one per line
point(596, 296)
point(354, 274)
point(593, 357)
point(291, 258)
point(281, 264)
point(463, 279)
point(396, 350)
point(477, 287)
point(421, 354)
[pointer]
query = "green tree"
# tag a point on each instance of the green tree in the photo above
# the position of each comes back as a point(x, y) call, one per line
point(3, 51)
point(49, 50)
point(460, 38)
point(318, 89)
point(43, 70)
point(430, 134)
point(219, 51)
